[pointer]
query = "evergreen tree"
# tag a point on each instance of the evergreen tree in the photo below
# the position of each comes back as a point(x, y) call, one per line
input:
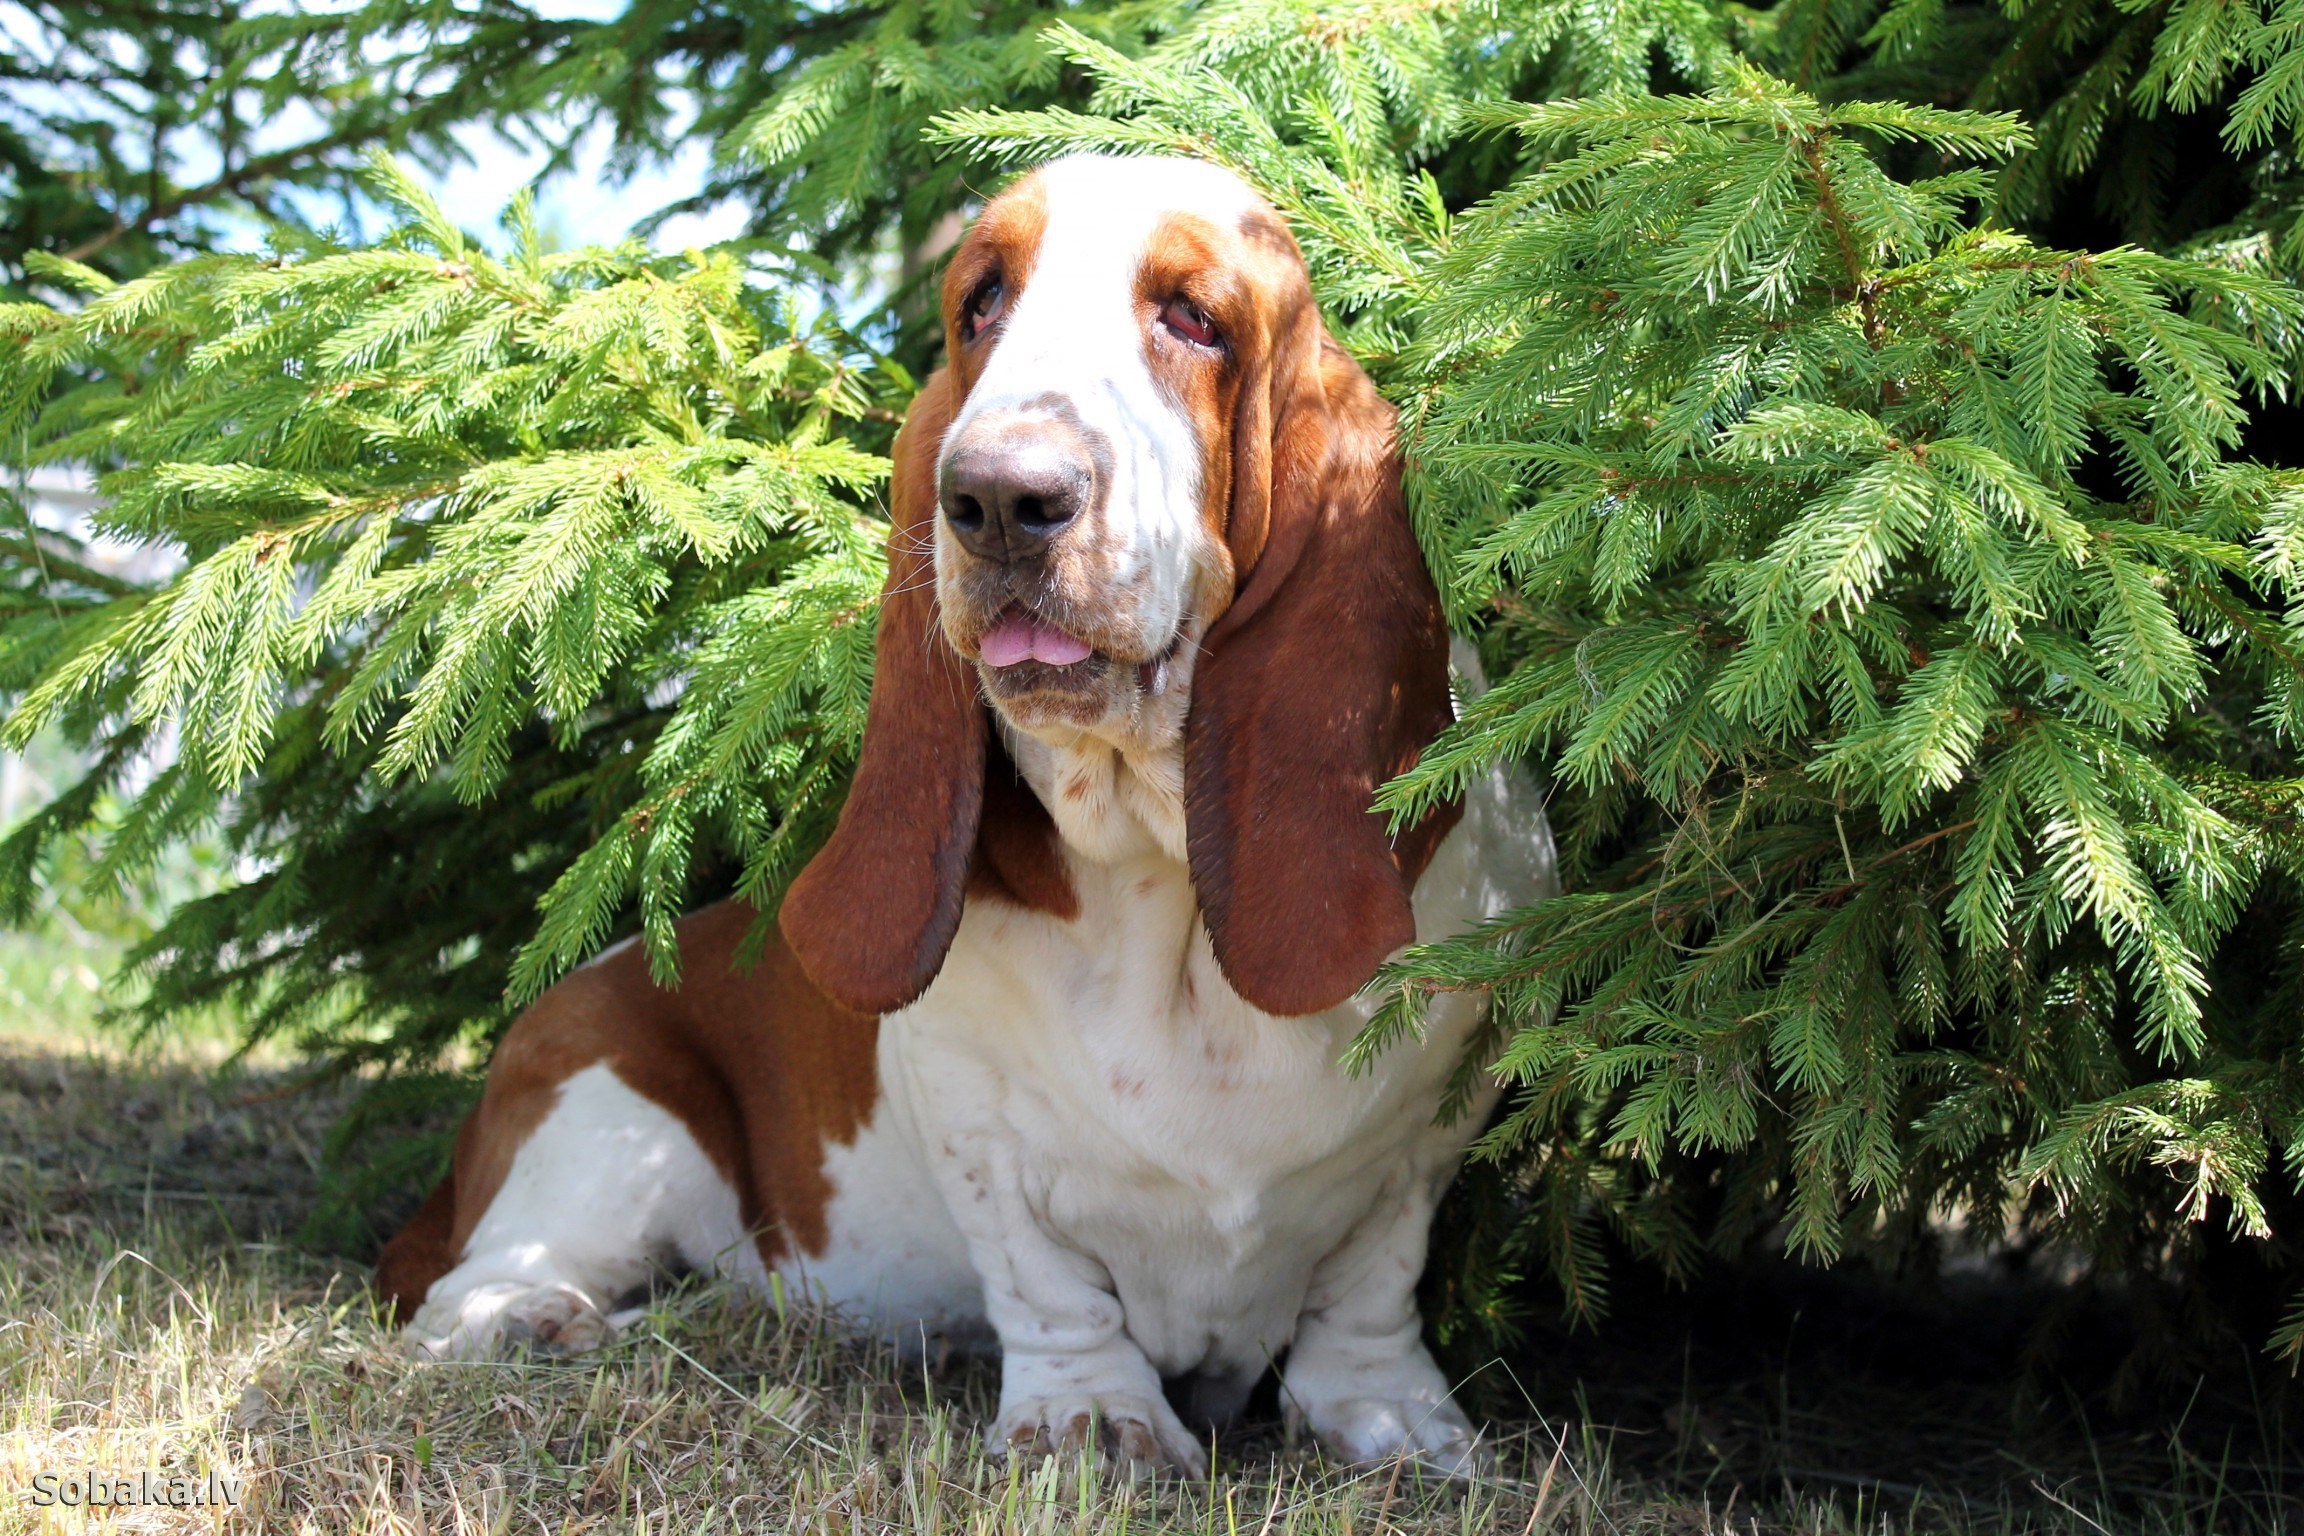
point(1912, 653)
point(1864, 495)
point(133, 134)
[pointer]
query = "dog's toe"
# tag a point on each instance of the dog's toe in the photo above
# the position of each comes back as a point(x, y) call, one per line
point(1135, 1435)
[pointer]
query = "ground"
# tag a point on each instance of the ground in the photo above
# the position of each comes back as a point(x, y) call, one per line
point(157, 1312)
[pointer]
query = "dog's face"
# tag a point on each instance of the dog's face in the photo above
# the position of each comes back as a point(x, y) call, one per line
point(1148, 498)
point(1100, 318)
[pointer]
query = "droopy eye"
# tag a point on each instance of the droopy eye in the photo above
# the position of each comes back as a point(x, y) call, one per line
point(1189, 321)
point(984, 307)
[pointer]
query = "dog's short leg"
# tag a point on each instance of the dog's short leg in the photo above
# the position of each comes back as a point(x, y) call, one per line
point(608, 1187)
point(1070, 1376)
point(1358, 1374)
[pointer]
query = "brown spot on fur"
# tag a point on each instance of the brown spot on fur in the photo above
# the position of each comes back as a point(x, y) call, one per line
point(1019, 853)
point(764, 1070)
point(420, 1253)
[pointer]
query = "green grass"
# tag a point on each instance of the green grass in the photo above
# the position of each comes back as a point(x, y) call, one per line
point(154, 1313)
point(50, 988)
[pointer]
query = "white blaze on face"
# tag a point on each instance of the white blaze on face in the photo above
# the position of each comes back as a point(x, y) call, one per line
point(1077, 332)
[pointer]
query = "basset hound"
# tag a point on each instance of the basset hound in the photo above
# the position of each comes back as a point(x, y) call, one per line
point(1047, 1046)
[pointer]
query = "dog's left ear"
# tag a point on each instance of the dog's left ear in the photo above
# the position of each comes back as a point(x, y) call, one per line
point(872, 915)
point(1326, 676)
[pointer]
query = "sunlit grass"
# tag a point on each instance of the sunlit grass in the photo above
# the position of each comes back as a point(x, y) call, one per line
point(155, 1314)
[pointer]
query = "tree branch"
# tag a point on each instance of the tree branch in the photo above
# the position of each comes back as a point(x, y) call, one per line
point(230, 181)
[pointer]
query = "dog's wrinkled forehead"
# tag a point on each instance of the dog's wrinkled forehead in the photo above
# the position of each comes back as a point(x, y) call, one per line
point(1071, 243)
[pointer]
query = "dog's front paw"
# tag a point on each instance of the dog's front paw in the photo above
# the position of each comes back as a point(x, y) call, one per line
point(1134, 1434)
point(1432, 1434)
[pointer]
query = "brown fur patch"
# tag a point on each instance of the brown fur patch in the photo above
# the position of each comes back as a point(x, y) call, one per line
point(875, 910)
point(420, 1253)
point(1004, 243)
point(1019, 853)
point(1326, 676)
point(764, 1070)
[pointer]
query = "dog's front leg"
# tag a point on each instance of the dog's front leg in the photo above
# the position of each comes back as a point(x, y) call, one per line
point(1358, 1374)
point(1070, 1376)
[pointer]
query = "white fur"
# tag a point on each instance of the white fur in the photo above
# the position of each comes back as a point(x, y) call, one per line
point(1155, 1179)
point(607, 1187)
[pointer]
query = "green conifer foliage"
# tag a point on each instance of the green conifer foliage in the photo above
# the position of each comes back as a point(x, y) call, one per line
point(1914, 655)
point(479, 552)
point(1877, 558)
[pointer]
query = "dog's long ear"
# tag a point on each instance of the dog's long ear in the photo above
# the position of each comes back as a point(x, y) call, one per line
point(872, 915)
point(1326, 676)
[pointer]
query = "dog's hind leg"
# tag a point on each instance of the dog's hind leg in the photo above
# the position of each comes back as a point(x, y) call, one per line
point(607, 1188)
point(628, 1127)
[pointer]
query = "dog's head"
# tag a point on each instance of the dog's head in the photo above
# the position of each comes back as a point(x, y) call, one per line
point(1104, 321)
point(1149, 497)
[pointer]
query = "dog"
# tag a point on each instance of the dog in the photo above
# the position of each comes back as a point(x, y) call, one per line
point(1046, 1041)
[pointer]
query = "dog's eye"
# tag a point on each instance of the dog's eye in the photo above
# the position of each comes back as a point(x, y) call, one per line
point(984, 307)
point(1189, 321)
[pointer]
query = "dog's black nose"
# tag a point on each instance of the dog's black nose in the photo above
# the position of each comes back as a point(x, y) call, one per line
point(1008, 495)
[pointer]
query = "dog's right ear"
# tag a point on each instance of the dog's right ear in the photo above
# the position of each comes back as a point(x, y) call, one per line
point(1325, 678)
point(872, 915)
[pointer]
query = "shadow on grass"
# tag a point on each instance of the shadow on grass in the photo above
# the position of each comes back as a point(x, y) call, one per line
point(154, 1312)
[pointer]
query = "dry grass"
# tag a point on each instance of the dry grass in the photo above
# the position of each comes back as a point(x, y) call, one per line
point(153, 1315)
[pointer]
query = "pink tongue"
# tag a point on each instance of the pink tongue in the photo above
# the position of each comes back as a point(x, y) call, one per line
point(1017, 636)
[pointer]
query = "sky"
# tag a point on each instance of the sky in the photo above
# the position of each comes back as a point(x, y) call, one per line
point(580, 202)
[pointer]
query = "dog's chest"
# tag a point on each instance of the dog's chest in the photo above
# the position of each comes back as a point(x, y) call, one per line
point(1094, 1084)
point(1121, 1053)
point(1097, 1079)
point(1117, 1027)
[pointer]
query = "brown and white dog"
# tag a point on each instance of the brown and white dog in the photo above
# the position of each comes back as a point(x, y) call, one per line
point(1050, 1037)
